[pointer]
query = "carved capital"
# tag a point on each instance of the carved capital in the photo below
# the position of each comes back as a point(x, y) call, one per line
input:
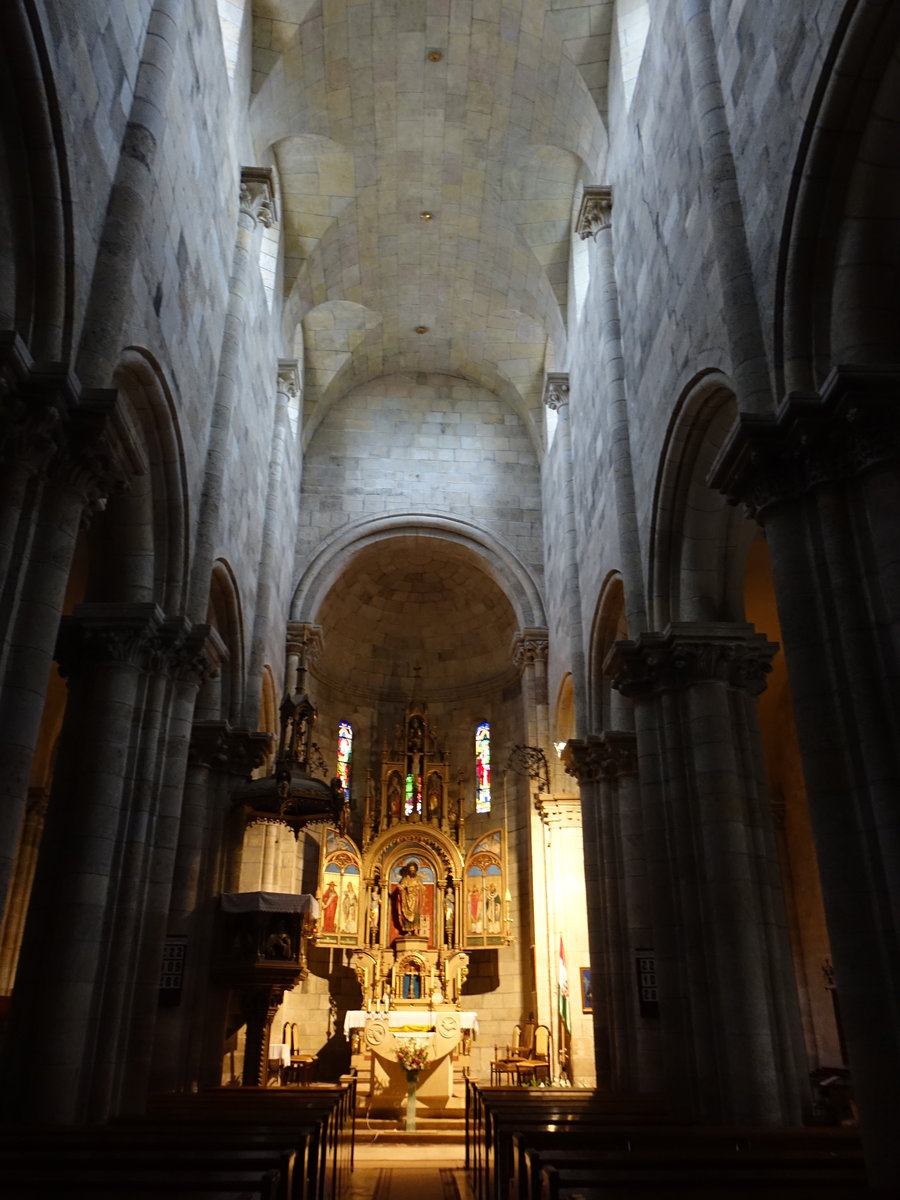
point(850, 427)
point(559, 811)
point(220, 747)
point(556, 390)
point(192, 654)
point(530, 646)
point(20, 417)
point(28, 428)
point(107, 634)
point(595, 212)
point(607, 755)
point(305, 640)
point(288, 378)
point(690, 653)
point(82, 437)
point(258, 194)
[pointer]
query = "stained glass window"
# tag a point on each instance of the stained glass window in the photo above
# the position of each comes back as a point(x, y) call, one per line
point(483, 768)
point(345, 753)
point(413, 795)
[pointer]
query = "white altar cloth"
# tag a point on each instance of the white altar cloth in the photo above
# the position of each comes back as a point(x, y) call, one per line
point(357, 1017)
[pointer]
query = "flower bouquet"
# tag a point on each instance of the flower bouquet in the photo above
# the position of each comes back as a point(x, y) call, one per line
point(413, 1055)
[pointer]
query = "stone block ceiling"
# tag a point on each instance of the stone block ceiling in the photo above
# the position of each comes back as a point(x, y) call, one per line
point(485, 115)
point(411, 601)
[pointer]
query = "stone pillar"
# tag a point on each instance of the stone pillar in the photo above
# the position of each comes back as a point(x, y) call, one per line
point(595, 221)
point(55, 1022)
point(27, 446)
point(302, 648)
point(257, 200)
point(732, 1042)
point(821, 476)
point(619, 921)
point(108, 304)
point(186, 656)
point(530, 649)
point(13, 921)
point(740, 308)
point(566, 906)
point(556, 398)
point(287, 389)
point(91, 453)
point(269, 872)
point(188, 1045)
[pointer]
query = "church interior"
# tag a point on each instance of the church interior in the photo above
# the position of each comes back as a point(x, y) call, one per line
point(450, 556)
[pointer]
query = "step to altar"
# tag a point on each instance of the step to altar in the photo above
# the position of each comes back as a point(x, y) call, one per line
point(449, 1132)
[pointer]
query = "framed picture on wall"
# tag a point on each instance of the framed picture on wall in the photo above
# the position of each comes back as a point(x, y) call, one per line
point(587, 995)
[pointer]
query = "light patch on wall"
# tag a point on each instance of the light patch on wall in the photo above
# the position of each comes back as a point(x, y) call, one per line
point(632, 25)
point(231, 20)
point(268, 261)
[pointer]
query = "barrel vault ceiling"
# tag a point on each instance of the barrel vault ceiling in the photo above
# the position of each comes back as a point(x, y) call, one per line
point(484, 115)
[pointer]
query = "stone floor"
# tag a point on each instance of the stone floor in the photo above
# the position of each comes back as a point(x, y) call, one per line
point(414, 1170)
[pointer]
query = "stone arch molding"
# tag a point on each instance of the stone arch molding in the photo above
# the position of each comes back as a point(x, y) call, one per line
point(836, 296)
point(698, 542)
point(499, 562)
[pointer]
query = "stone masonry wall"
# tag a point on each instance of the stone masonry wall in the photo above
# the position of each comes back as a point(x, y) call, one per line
point(424, 443)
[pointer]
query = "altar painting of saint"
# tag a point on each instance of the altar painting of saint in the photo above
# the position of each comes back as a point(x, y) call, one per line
point(435, 794)
point(330, 900)
point(492, 907)
point(475, 902)
point(350, 901)
point(413, 870)
point(394, 795)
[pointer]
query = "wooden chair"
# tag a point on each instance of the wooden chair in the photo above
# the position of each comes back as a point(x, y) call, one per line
point(503, 1065)
point(507, 1064)
point(537, 1065)
point(523, 1037)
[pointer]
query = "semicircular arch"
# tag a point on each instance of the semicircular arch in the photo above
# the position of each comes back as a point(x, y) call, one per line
point(698, 542)
point(496, 559)
point(836, 297)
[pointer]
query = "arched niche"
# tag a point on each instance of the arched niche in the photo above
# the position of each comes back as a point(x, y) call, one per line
point(698, 542)
point(220, 698)
point(608, 708)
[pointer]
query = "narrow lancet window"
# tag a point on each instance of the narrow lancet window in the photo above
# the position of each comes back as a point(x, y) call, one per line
point(483, 768)
point(344, 754)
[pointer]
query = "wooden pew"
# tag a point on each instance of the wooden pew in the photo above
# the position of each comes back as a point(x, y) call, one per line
point(333, 1105)
point(506, 1123)
point(713, 1181)
point(309, 1129)
point(124, 1183)
point(499, 1112)
point(532, 1151)
point(89, 1154)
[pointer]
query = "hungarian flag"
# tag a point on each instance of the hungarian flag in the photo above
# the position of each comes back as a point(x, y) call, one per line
point(564, 988)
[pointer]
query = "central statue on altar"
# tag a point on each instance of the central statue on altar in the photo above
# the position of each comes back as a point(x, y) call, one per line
point(408, 899)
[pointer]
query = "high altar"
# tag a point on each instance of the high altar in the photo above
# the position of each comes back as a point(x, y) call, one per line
point(410, 905)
